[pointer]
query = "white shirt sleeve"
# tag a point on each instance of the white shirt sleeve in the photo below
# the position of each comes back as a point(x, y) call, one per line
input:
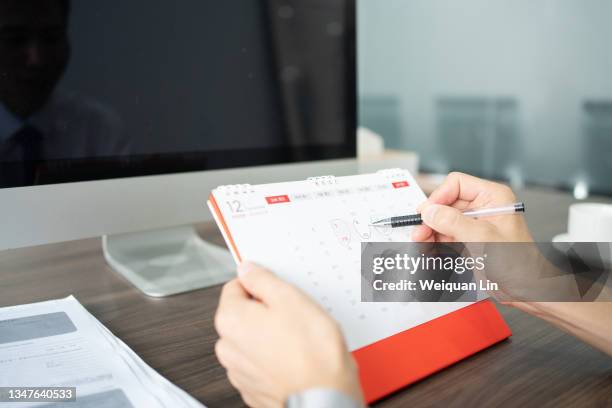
point(321, 398)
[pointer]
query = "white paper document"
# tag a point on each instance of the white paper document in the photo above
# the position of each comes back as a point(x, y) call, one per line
point(59, 344)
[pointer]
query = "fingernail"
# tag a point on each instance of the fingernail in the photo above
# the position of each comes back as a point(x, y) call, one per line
point(429, 214)
point(244, 268)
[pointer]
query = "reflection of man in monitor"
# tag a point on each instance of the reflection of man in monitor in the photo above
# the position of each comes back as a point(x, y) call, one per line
point(38, 121)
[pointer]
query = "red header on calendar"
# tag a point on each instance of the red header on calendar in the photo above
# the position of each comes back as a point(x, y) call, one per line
point(278, 199)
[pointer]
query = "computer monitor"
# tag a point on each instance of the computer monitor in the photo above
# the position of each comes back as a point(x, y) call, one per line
point(120, 117)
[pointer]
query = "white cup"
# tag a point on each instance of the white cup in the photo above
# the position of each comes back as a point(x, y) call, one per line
point(590, 222)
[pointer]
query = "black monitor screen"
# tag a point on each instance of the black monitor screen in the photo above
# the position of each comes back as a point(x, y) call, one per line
point(104, 89)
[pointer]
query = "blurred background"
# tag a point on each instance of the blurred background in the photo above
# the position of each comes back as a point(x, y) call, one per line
point(518, 91)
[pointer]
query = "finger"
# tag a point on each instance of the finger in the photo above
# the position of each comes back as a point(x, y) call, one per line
point(262, 284)
point(241, 372)
point(458, 186)
point(231, 302)
point(256, 390)
point(445, 238)
point(420, 207)
point(234, 380)
point(451, 222)
point(251, 400)
point(242, 386)
point(257, 400)
point(228, 355)
point(432, 238)
point(237, 360)
point(233, 293)
point(236, 312)
point(421, 233)
point(461, 204)
point(256, 396)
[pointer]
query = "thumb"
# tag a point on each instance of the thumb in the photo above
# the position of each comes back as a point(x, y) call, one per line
point(450, 221)
point(261, 283)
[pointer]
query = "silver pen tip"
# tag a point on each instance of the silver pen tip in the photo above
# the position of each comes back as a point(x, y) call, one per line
point(380, 221)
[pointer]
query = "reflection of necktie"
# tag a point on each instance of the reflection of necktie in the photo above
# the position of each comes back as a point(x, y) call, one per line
point(30, 140)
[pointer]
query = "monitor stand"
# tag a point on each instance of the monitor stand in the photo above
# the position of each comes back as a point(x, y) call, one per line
point(168, 261)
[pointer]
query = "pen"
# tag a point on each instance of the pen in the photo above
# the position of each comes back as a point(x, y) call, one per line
point(415, 219)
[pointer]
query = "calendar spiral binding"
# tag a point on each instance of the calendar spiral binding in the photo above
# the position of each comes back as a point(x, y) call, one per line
point(236, 189)
point(392, 173)
point(323, 180)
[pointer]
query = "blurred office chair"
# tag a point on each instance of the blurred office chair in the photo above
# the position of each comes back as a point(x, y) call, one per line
point(597, 153)
point(479, 135)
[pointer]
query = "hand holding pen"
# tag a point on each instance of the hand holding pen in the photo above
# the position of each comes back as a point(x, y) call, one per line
point(416, 219)
point(443, 218)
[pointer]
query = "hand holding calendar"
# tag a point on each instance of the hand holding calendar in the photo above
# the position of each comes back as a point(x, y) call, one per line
point(263, 353)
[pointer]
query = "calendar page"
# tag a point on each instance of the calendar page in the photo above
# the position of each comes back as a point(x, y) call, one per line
point(310, 232)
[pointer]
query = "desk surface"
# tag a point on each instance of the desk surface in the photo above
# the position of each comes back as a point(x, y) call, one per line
point(538, 366)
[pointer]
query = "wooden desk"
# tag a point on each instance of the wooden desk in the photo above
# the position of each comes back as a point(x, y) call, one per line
point(538, 366)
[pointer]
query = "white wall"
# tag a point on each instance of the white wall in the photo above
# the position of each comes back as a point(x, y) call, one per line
point(550, 55)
